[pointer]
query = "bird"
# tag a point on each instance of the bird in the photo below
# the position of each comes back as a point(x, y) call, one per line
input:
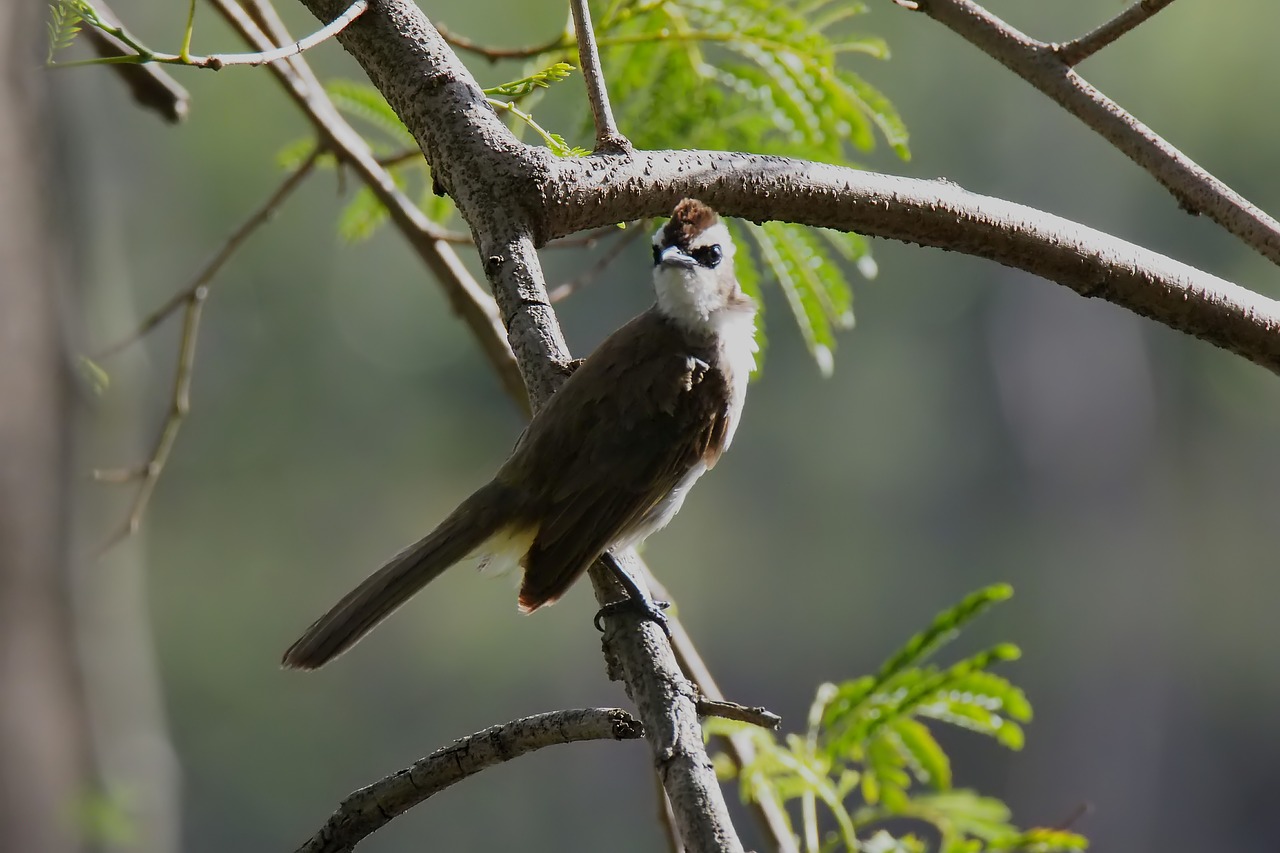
point(608, 460)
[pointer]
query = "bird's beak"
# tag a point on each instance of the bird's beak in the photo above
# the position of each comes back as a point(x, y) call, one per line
point(673, 257)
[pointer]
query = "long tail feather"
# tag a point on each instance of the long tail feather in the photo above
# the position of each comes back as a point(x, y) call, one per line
point(479, 517)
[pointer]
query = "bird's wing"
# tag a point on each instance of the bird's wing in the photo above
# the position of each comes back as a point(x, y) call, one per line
point(629, 448)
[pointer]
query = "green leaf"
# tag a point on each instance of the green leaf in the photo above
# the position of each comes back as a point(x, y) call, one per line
point(921, 752)
point(790, 269)
point(964, 813)
point(65, 18)
point(99, 380)
point(1040, 840)
point(363, 101)
point(538, 80)
point(104, 818)
point(977, 719)
point(362, 216)
point(943, 629)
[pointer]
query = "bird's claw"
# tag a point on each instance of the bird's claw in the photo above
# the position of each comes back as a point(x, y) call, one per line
point(646, 608)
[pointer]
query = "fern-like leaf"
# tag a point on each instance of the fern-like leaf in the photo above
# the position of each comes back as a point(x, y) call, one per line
point(538, 80)
point(65, 17)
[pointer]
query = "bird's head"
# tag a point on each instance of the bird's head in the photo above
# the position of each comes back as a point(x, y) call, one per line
point(693, 270)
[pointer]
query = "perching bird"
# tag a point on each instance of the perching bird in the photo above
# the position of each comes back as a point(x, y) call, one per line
point(611, 456)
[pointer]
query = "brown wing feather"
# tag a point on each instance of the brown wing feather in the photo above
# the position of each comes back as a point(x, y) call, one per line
point(598, 490)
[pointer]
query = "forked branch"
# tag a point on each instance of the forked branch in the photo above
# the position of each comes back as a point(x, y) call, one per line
point(1042, 65)
point(191, 299)
point(1078, 50)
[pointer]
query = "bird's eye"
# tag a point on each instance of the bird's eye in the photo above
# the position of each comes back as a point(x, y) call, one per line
point(657, 255)
point(708, 256)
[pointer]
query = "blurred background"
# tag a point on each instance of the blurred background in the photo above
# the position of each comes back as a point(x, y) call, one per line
point(981, 425)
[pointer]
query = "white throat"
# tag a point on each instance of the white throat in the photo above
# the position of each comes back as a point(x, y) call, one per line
point(706, 302)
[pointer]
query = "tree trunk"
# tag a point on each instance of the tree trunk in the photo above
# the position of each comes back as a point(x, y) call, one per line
point(44, 766)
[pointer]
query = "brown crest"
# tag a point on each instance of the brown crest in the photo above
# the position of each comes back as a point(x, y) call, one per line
point(690, 218)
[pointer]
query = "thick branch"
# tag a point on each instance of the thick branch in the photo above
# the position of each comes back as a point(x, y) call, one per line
point(1038, 63)
point(589, 192)
point(668, 704)
point(497, 182)
point(372, 807)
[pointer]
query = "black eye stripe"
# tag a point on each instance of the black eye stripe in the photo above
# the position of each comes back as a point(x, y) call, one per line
point(708, 256)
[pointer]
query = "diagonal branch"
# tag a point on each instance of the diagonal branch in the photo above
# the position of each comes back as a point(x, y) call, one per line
point(372, 807)
point(150, 85)
point(429, 241)
point(515, 197)
point(1037, 62)
point(1078, 50)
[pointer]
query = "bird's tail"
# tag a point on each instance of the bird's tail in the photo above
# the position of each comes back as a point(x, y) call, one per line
point(489, 512)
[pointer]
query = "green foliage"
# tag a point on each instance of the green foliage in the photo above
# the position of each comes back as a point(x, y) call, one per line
point(94, 375)
point(364, 214)
point(538, 80)
point(65, 17)
point(750, 75)
point(362, 101)
point(866, 738)
point(765, 77)
point(103, 818)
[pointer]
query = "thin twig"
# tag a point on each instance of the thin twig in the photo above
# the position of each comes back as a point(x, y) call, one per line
point(593, 272)
point(1077, 50)
point(217, 61)
point(178, 410)
point(768, 812)
point(667, 818)
point(588, 239)
point(150, 86)
point(754, 715)
point(1196, 190)
point(225, 252)
point(368, 809)
point(192, 298)
point(431, 243)
point(493, 54)
point(608, 138)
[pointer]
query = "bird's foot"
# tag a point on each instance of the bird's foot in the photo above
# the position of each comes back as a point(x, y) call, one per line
point(645, 607)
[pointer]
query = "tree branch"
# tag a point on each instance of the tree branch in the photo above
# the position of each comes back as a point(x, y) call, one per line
point(493, 54)
point(588, 192)
point(1039, 64)
point(516, 197)
point(138, 54)
point(768, 811)
point(639, 655)
point(191, 299)
point(150, 85)
point(430, 242)
point(372, 807)
point(1078, 50)
point(608, 137)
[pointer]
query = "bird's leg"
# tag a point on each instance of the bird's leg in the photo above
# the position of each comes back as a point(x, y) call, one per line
point(638, 600)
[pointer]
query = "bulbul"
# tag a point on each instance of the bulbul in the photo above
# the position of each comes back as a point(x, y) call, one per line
point(608, 460)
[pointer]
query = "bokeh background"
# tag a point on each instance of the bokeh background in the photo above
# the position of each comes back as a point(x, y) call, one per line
point(981, 425)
